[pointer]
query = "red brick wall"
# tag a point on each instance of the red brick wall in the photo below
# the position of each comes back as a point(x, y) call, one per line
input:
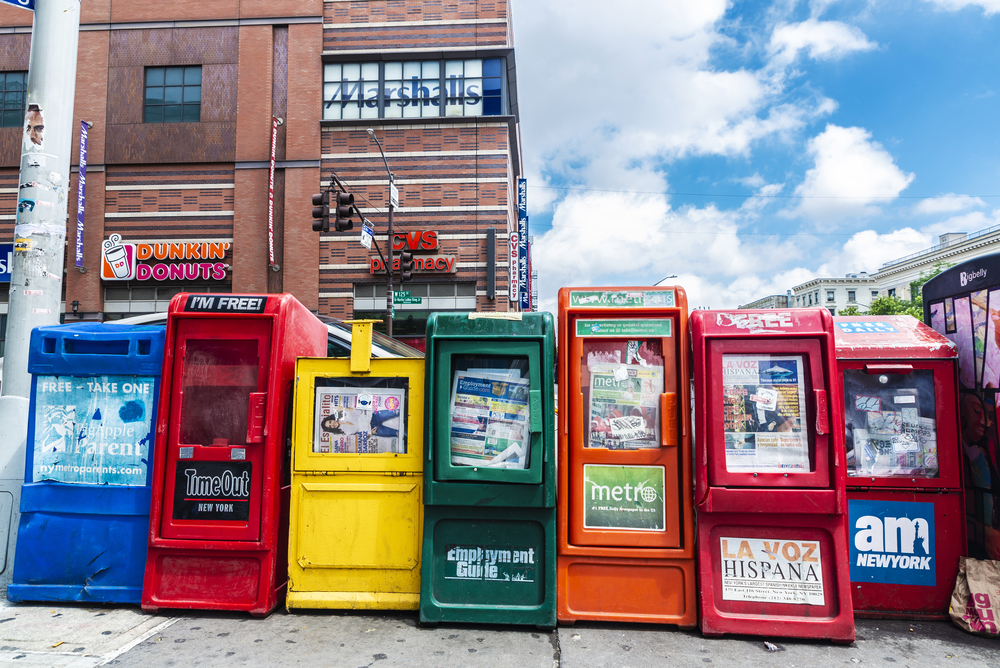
point(301, 248)
point(250, 231)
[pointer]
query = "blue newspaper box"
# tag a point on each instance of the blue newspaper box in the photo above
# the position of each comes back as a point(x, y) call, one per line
point(85, 500)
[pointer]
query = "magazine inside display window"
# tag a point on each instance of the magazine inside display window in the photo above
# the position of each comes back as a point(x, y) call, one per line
point(890, 424)
point(489, 412)
point(764, 411)
point(622, 382)
point(361, 416)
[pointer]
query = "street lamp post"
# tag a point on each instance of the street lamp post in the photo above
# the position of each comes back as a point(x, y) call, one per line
point(390, 306)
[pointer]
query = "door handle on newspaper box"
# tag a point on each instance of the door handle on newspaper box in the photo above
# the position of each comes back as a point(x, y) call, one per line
point(668, 419)
point(534, 411)
point(822, 417)
point(888, 368)
point(255, 417)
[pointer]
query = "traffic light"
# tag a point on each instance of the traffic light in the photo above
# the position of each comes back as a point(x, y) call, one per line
point(345, 205)
point(405, 266)
point(321, 212)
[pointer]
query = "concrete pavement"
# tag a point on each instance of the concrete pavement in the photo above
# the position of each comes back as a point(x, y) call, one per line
point(86, 636)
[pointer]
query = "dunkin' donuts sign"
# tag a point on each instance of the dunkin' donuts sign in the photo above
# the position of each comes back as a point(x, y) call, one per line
point(178, 260)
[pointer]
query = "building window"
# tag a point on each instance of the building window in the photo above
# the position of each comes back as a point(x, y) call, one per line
point(13, 98)
point(413, 89)
point(850, 296)
point(874, 294)
point(173, 95)
point(125, 299)
point(829, 295)
point(892, 292)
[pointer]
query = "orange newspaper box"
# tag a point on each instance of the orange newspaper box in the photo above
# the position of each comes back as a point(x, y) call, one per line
point(625, 504)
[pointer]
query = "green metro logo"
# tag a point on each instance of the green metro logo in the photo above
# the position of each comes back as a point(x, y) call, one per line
point(624, 497)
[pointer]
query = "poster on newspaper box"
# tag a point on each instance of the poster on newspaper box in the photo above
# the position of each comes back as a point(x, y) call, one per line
point(625, 406)
point(360, 420)
point(772, 571)
point(489, 419)
point(764, 411)
point(94, 430)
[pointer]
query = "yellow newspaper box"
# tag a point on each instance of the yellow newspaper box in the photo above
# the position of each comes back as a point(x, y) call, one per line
point(357, 474)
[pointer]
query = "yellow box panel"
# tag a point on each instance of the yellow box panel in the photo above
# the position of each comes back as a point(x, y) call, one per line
point(351, 525)
point(355, 541)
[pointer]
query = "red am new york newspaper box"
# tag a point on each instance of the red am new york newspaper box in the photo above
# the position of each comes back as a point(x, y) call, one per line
point(219, 516)
point(904, 476)
point(769, 475)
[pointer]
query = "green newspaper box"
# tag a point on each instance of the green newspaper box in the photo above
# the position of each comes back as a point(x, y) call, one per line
point(489, 551)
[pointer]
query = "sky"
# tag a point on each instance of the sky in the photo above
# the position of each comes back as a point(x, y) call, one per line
point(748, 147)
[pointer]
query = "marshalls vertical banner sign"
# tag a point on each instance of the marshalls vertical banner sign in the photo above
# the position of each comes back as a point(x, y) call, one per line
point(522, 246)
point(81, 193)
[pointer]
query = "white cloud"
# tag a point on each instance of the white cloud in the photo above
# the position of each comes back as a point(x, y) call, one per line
point(948, 204)
point(602, 92)
point(967, 222)
point(820, 40)
point(988, 6)
point(622, 239)
point(851, 174)
point(868, 250)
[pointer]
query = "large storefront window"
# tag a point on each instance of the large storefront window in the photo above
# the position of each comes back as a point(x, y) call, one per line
point(124, 300)
point(413, 89)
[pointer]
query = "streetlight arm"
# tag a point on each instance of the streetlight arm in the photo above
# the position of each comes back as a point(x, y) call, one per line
point(371, 133)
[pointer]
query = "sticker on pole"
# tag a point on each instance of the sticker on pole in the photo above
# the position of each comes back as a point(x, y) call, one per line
point(366, 236)
point(778, 571)
point(624, 497)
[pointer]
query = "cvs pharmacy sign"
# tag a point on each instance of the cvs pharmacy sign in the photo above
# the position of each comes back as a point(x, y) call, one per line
point(892, 542)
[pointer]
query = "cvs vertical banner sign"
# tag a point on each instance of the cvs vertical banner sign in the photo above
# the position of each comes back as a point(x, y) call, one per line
point(524, 295)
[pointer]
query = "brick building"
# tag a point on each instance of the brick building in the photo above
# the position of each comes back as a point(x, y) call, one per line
point(181, 96)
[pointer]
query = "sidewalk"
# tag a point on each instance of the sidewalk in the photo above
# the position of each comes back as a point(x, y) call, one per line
point(82, 636)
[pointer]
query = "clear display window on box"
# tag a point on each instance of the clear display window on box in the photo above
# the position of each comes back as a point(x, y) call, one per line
point(890, 424)
point(764, 410)
point(489, 411)
point(622, 381)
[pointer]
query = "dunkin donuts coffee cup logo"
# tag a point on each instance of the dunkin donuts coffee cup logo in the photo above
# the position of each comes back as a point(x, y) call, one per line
point(118, 260)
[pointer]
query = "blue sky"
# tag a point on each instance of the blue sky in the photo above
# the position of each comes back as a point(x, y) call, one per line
point(750, 146)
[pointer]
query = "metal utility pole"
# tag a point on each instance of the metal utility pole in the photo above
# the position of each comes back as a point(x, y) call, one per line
point(39, 234)
point(390, 306)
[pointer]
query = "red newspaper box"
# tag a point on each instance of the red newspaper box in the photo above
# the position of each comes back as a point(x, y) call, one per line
point(904, 475)
point(769, 475)
point(218, 528)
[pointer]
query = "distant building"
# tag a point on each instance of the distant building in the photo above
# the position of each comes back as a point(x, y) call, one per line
point(771, 301)
point(836, 293)
point(892, 279)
